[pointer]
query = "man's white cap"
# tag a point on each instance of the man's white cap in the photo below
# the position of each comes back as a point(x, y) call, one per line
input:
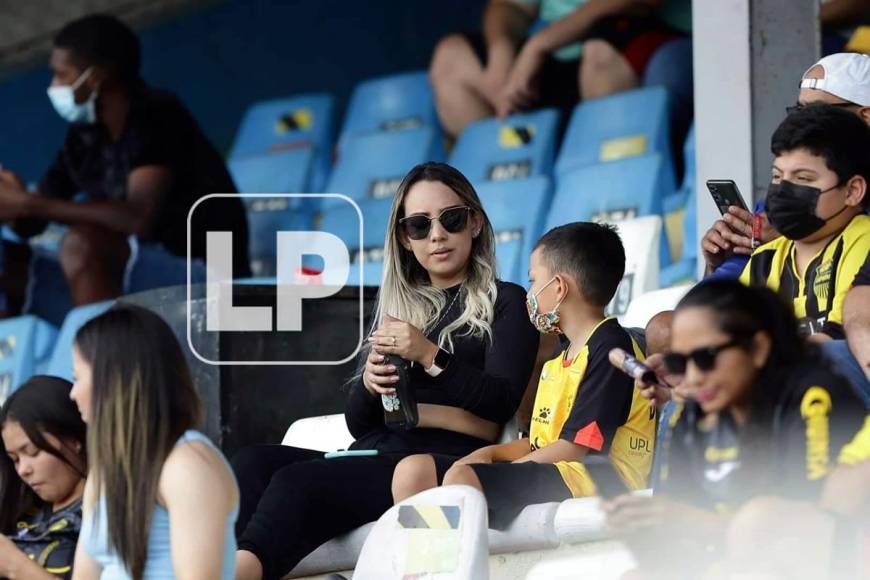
point(847, 75)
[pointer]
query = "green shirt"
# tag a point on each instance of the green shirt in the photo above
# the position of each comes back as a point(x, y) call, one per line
point(675, 13)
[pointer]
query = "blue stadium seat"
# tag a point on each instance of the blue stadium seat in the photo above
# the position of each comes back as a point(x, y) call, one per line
point(387, 104)
point(509, 258)
point(629, 124)
point(151, 267)
point(60, 364)
point(373, 271)
point(519, 146)
point(517, 210)
point(373, 166)
point(25, 344)
point(282, 172)
point(267, 216)
point(681, 221)
point(287, 124)
point(343, 221)
point(614, 191)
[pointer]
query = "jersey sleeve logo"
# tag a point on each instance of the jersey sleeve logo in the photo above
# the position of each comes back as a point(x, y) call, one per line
point(590, 436)
point(815, 410)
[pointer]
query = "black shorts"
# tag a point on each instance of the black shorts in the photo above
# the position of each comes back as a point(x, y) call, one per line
point(509, 487)
point(557, 81)
point(635, 38)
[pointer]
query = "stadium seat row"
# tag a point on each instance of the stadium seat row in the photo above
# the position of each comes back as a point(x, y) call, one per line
point(614, 164)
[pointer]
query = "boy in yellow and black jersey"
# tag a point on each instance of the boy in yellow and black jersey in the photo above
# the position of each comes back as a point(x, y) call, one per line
point(816, 199)
point(588, 402)
point(590, 426)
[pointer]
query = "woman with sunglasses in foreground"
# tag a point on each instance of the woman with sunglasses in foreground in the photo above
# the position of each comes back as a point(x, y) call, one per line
point(763, 416)
point(471, 348)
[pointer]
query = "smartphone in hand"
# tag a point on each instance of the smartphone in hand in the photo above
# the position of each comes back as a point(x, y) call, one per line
point(725, 194)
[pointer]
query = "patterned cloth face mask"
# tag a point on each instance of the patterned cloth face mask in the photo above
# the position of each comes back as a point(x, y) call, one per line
point(547, 322)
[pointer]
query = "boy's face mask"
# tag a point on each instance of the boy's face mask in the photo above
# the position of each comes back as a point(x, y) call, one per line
point(547, 322)
point(63, 99)
point(791, 209)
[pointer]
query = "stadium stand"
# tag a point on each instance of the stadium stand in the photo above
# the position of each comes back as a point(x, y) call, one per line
point(517, 210)
point(60, 364)
point(679, 210)
point(388, 104)
point(629, 124)
point(613, 192)
point(282, 125)
point(519, 146)
point(372, 166)
point(25, 345)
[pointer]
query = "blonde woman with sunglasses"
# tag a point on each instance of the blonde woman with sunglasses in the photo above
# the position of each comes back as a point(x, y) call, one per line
point(471, 350)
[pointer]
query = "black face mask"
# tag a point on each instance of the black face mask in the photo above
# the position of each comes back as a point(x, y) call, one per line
point(791, 209)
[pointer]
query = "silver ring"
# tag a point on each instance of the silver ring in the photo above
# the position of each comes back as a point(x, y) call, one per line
point(394, 340)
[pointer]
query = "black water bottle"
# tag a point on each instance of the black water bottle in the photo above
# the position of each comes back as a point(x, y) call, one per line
point(400, 410)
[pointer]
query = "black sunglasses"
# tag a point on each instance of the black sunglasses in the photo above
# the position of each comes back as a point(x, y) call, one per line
point(452, 219)
point(798, 106)
point(704, 358)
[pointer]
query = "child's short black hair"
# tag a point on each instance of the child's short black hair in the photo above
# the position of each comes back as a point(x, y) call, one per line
point(104, 40)
point(591, 253)
point(836, 135)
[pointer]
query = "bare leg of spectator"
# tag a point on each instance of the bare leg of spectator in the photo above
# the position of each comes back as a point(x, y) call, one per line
point(412, 475)
point(93, 260)
point(604, 71)
point(248, 566)
point(455, 73)
point(462, 475)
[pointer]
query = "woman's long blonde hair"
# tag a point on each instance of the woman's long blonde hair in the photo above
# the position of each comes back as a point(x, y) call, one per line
point(406, 291)
point(143, 400)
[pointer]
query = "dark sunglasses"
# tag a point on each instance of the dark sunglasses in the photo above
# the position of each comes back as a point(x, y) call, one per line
point(452, 219)
point(798, 106)
point(704, 358)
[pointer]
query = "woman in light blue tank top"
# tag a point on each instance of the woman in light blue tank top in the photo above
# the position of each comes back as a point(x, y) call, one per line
point(160, 499)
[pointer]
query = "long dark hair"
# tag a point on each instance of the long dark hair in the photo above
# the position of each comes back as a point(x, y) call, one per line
point(743, 311)
point(41, 406)
point(142, 401)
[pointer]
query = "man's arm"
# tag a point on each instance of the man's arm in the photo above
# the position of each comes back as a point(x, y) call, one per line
point(506, 21)
point(856, 323)
point(146, 187)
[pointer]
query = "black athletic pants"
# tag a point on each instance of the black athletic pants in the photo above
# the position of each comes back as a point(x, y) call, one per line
point(293, 500)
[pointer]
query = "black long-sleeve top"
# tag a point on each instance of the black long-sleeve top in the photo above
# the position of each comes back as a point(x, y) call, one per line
point(485, 378)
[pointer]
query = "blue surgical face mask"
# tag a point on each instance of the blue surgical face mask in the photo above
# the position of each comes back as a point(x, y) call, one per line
point(63, 100)
point(547, 322)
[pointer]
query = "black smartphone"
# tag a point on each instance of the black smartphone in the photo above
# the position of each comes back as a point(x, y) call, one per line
point(725, 194)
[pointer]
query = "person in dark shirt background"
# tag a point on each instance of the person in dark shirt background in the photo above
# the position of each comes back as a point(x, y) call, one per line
point(138, 155)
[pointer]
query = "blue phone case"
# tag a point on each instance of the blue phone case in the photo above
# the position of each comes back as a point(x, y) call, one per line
point(350, 453)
